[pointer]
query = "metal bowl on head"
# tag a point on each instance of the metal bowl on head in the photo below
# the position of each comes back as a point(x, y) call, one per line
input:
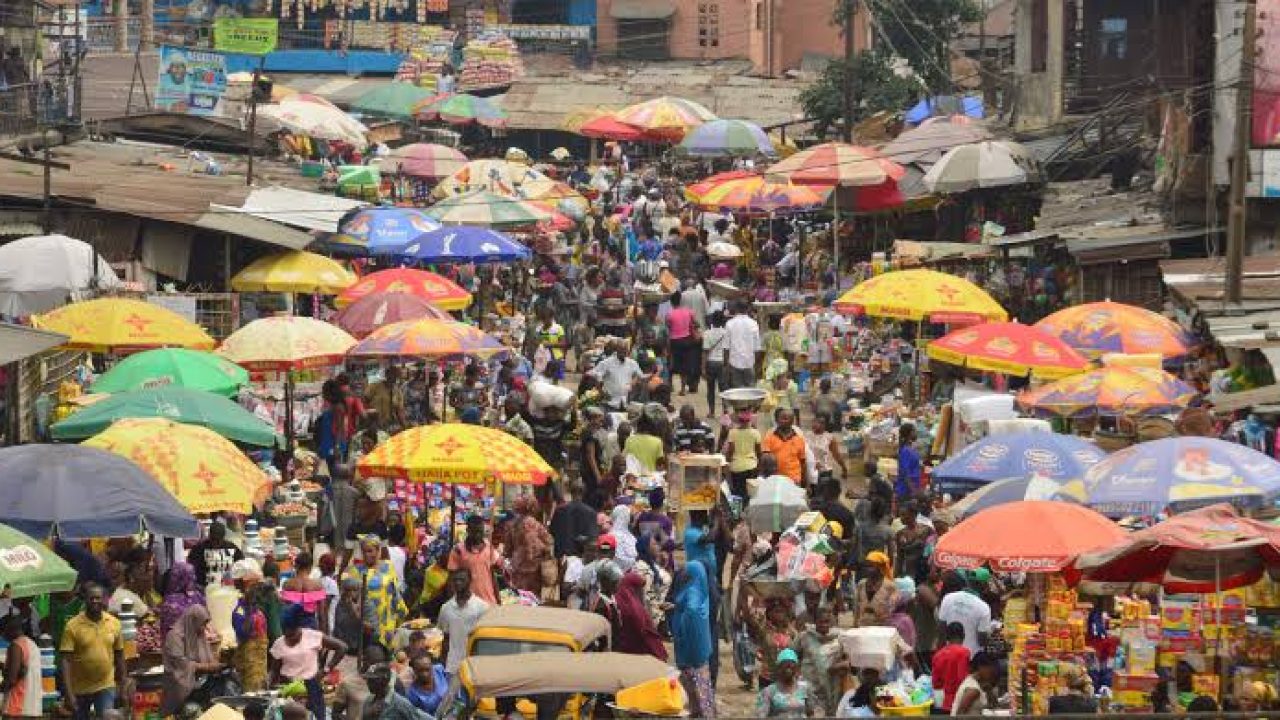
point(744, 398)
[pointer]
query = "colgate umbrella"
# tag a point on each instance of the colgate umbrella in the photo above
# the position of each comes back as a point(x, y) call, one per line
point(1201, 551)
point(1027, 536)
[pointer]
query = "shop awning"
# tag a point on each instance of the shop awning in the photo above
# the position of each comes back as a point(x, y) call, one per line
point(642, 9)
point(18, 342)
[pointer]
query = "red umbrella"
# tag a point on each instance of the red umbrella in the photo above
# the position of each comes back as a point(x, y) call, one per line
point(1026, 536)
point(1201, 551)
point(373, 311)
point(606, 128)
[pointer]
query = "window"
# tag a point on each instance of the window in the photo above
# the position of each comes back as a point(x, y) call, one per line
point(760, 16)
point(709, 24)
point(1113, 36)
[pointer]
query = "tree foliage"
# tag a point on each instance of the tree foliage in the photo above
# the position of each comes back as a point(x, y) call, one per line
point(875, 88)
point(921, 32)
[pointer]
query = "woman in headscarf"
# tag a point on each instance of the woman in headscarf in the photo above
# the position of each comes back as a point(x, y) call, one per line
point(875, 592)
point(637, 634)
point(691, 632)
point(250, 625)
point(187, 655)
point(381, 587)
point(529, 544)
point(180, 594)
point(900, 617)
point(625, 553)
point(656, 578)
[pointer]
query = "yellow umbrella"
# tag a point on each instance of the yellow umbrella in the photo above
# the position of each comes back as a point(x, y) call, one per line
point(575, 119)
point(456, 453)
point(203, 470)
point(118, 324)
point(294, 272)
point(286, 342)
point(922, 295)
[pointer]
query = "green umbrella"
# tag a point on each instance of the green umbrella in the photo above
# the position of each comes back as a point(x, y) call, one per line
point(28, 567)
point(396, 100)
point(482, 208)
point(176, 367)
point(194, 407)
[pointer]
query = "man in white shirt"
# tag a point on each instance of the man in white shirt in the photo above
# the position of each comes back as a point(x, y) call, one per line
point(961, 606)
point(742, 338)
point(616, 373)
point(458, 618)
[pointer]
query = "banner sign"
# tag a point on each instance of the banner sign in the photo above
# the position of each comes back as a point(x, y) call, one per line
point(249, 36)
point(191, 81)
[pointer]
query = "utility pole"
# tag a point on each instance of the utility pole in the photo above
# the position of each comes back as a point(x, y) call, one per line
point(1236, 210)
point(850, 10)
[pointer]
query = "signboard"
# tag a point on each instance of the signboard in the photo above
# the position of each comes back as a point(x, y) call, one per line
point(191, 81)
point(1270, 173)
point(249, 36)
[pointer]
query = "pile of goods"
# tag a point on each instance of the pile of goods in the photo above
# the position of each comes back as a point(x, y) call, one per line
point(905, 698)
point(427, 57)
point(490, 60)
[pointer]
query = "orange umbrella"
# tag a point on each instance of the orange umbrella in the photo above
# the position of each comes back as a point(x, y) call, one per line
point(439, 291)
point(1026, 536)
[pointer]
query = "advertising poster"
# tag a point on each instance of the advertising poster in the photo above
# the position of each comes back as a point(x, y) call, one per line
point(249, 36)
point(191, 81)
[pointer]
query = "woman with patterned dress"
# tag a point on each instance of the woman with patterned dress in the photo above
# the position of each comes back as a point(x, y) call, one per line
point(381, 587)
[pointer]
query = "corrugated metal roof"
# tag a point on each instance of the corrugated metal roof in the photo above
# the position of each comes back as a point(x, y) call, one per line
point(18, 342)
point(299, 208)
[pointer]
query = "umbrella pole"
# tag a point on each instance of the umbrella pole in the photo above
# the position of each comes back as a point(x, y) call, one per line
point(287, 470)
point(835, 236)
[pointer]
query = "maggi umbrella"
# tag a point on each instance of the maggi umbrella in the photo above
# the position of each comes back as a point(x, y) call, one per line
point(1110, 391)
point(921, 295)
point(116, 324)
point(192, 407)
point(456, 453)
point(29, 568)
point(435, 289)
point(204, 471)
point(1010, 348)
point(173, 367)
point(286, 342)
point(1026, 536)
point(1178, 472)
point(293, 272)
point(374, 311)
point(1201, 551)
point(427, 338)
point(1107, 327)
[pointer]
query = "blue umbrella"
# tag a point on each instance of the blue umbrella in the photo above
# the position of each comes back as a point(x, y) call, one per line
point(1006, 491)
point(75, 492)
point(969, 105)
point(1060, 458)
point(383, 229)
point(1179, 472)
point(464, 244)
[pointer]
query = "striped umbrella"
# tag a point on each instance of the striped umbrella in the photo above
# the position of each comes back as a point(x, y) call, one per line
point(667, 117)
point(439, 291)
point(373, 311)
point(726, 138)
point(608, 127)
point(427, 160)
point(1110, 391)
point(463, 110)
point(427, 337)
point(487, 209)
point(757, 196)
point(838, 164)
point(575, 119)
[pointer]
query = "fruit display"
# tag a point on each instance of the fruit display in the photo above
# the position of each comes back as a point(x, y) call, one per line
point(705, 495)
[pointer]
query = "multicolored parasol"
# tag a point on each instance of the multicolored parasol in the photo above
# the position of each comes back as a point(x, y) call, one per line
point(487, 209)
point(1108, 327)
point(462, 110)
point(293, 272)
point(203, 470)
point(286, 342)
point(1178, 472)
point(837, 164)
point(755, 195)
point(456, 453)
point(1110, 391)
point(726, 138)
point(393, 100)
point(1010, 348)
point(173, 367)
point(439, 291)
point(499, 176)
point(426, 160)
point(115, 324)
point(384, 308)
point(921, 295)
point(667, 117)
point(427, 337)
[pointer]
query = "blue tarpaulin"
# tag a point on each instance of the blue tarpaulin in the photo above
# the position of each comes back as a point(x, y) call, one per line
point(970, 105)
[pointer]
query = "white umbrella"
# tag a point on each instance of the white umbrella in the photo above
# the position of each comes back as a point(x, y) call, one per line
point(724, 251)
point(776, 504)
point(994, 163)
point(313, 117)
point(43, 272)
